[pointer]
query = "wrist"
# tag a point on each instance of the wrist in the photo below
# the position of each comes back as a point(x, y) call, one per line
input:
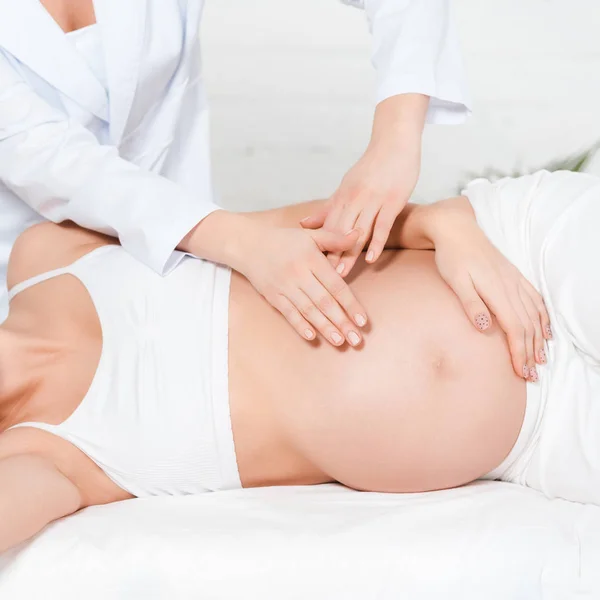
point(449, 218)
point(400, 120)
point(426, 226)
point(224, 237)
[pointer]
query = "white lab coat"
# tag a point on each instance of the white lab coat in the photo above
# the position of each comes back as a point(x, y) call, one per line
point(133, 161)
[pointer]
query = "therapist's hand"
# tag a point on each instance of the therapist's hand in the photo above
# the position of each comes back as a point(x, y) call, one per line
point(380, 184)
point(288, 267)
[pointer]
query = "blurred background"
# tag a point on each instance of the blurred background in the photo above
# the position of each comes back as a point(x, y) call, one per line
point(292, 88)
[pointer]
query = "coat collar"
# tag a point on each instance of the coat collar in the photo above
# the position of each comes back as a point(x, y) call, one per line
point(32, 36)
point(123, 28)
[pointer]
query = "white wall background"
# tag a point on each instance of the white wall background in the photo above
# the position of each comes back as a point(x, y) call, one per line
point(291, 90)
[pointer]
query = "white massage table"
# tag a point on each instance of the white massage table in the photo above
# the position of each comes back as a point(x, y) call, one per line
point(484, 542)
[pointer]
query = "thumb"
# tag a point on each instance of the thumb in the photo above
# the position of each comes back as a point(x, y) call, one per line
point(329, 241)
point(317, 219)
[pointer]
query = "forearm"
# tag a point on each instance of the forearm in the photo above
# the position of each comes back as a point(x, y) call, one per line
point(400, 119)
point(411, 229)
point(220, 237)
point(420, 225)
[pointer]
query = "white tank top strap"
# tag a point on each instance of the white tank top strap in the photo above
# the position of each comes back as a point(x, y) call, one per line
point(25, 285)
point(44, 426)
point(68, 270)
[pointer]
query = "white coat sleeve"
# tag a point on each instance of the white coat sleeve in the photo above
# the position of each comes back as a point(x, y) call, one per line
point(59, 168)
point(416, 50)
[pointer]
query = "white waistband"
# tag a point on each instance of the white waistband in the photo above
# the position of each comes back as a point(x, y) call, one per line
point(528, 436)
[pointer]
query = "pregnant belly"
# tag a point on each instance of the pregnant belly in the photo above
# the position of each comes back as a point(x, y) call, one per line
point(427, 402)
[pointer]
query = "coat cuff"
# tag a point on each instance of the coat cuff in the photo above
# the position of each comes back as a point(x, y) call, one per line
point(449, 108)
point(157, 244)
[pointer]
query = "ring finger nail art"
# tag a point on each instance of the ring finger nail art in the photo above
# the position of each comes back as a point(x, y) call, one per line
point(533, 375)
point(542, 356)
point(549, 331)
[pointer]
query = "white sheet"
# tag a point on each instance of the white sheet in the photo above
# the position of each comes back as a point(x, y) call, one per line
point(487, 541)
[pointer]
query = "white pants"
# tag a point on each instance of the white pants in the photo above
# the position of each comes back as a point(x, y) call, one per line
point(548, 225)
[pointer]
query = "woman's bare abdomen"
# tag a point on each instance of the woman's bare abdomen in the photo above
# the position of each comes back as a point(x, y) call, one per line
point(427, 401)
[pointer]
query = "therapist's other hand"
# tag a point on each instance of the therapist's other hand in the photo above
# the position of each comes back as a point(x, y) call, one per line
point(378, 187)
point(486, 282)
point(370, 198)
point(288, 267)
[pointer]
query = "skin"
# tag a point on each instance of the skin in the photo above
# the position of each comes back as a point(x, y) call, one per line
point(426, 402)
point(369, 198)
point(71, 14)
point(376, 189)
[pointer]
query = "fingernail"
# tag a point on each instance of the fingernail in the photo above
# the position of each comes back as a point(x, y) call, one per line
point(309, 334)
point(533, 375)
point(305, 219)
point(354, 339)
point(340, 268)
point(482, 321)
point(549, 331)
point(360, 320)
point(526, 372)
point(336, 338)
point(542, 356)
point(370, 255)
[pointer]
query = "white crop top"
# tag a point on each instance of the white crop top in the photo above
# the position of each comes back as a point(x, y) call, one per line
point(156, 416)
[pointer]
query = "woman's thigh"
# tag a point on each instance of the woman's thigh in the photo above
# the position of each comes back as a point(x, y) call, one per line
point(427, 402)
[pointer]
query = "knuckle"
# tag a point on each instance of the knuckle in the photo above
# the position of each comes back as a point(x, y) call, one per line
point(346, 325)
point(290, 270)
point(517, 332)
point(325, 303)
point(338, 288)
point(537, 297)
point(307, 310)
point(294, 317)
point(271, 294)
point(385, 221)
point(286, 310)
point(538, 301)
point(517, 345)
point(379, 236)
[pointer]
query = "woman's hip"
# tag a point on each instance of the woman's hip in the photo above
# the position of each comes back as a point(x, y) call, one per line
point(547, 224)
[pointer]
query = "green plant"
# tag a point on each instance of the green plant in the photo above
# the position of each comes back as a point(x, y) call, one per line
point(576, 162)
